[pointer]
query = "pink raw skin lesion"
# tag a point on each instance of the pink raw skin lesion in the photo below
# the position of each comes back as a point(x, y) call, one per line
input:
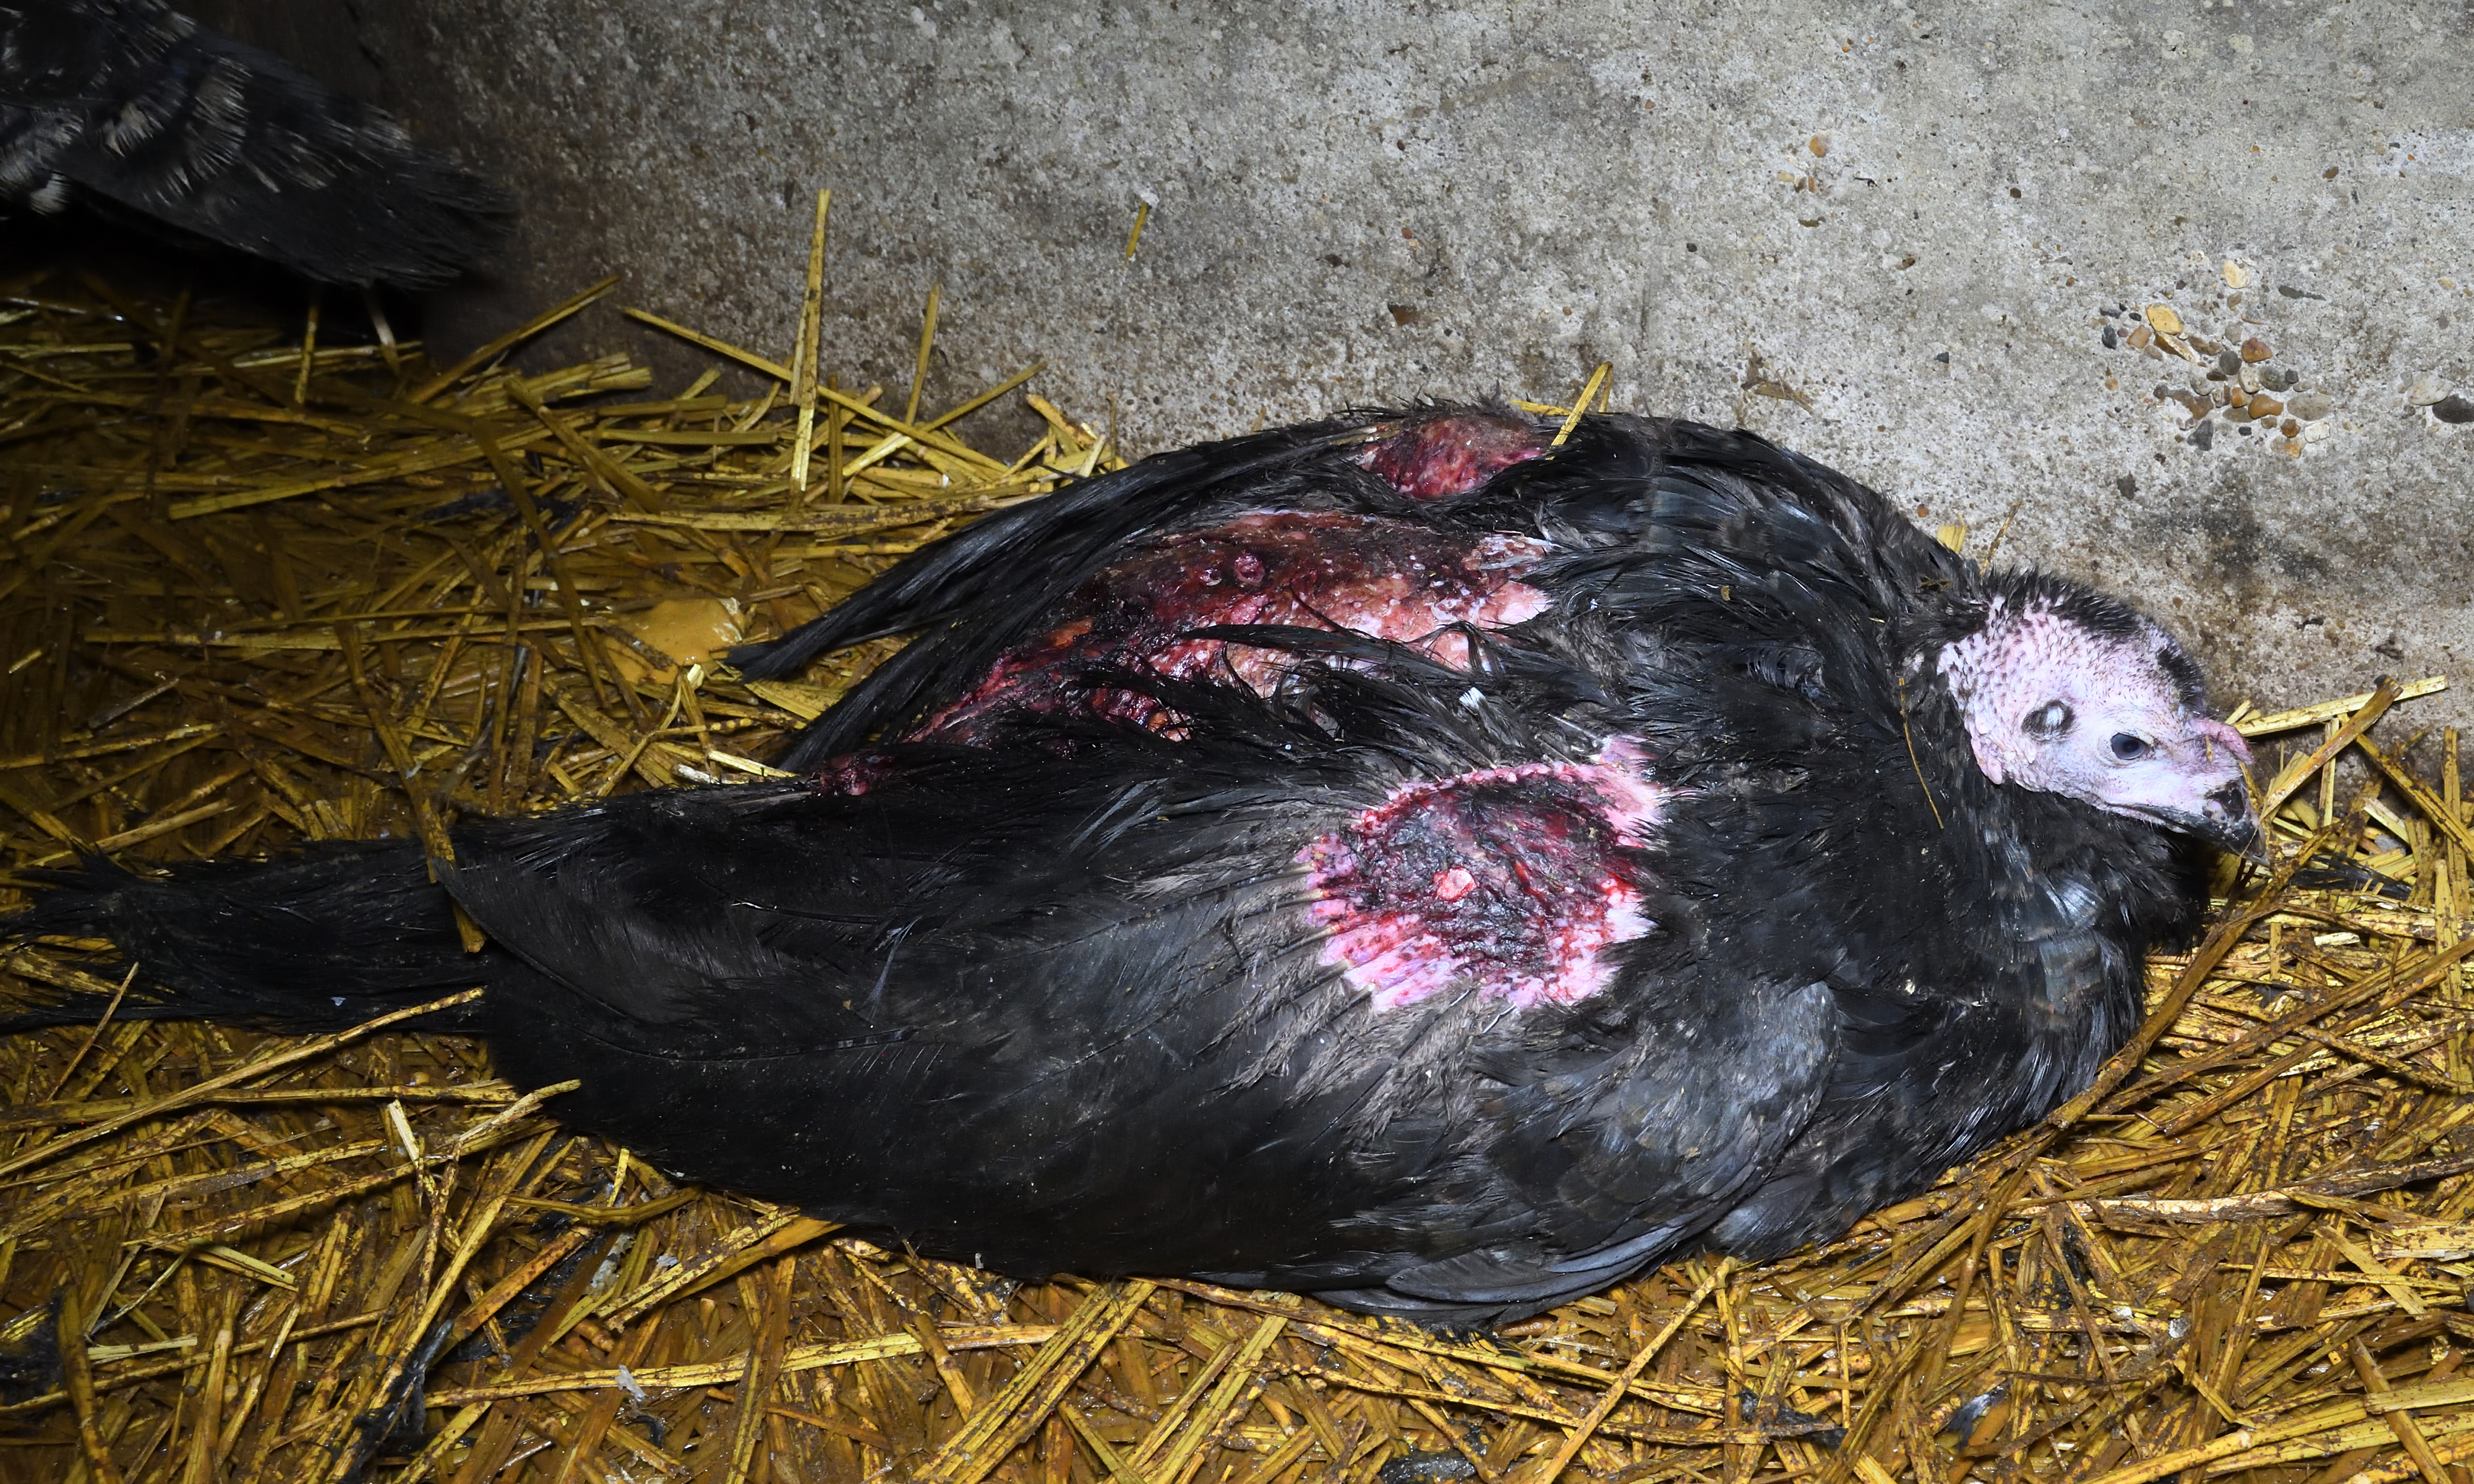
point(1510, 882)
point(1444, 457)
point(1386, 579)
point(853, 774)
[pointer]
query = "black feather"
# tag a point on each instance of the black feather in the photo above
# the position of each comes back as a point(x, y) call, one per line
point(137, 106)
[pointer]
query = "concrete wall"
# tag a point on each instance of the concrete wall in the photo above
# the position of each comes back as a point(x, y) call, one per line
point(1359, 202)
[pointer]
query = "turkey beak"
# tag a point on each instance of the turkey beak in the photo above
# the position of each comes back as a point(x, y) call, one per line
point(2225, 821)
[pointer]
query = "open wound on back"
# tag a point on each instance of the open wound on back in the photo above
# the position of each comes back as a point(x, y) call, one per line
point(1444, 458)
point(1508, 881)
point(1389, 579)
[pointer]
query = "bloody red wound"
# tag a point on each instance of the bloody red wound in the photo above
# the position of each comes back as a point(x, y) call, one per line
point(1444, 457)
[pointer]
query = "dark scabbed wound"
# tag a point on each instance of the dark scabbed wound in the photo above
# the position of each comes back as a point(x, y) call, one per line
point(856, 773)
point(1447, 456)
point(1511, 881)
point(1361, 574)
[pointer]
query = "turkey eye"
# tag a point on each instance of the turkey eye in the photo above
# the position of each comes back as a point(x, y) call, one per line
point(2127, 748)
point(2050, 720)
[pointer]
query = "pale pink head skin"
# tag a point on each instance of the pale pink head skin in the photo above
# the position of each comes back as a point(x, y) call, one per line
point(2053, 704)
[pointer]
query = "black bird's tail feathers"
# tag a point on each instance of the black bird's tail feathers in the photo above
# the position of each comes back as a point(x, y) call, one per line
point(320, 941)
point(136, 105)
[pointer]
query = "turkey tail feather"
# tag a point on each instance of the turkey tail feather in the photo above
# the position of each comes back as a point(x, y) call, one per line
point(320, 941)
point(140, 106)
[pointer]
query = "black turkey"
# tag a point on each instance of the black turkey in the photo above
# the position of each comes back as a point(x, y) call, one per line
point(130, 103)
point(1400, 859)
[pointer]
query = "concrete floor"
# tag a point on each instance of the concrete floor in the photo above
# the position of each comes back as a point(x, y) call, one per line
point(1885, 236)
